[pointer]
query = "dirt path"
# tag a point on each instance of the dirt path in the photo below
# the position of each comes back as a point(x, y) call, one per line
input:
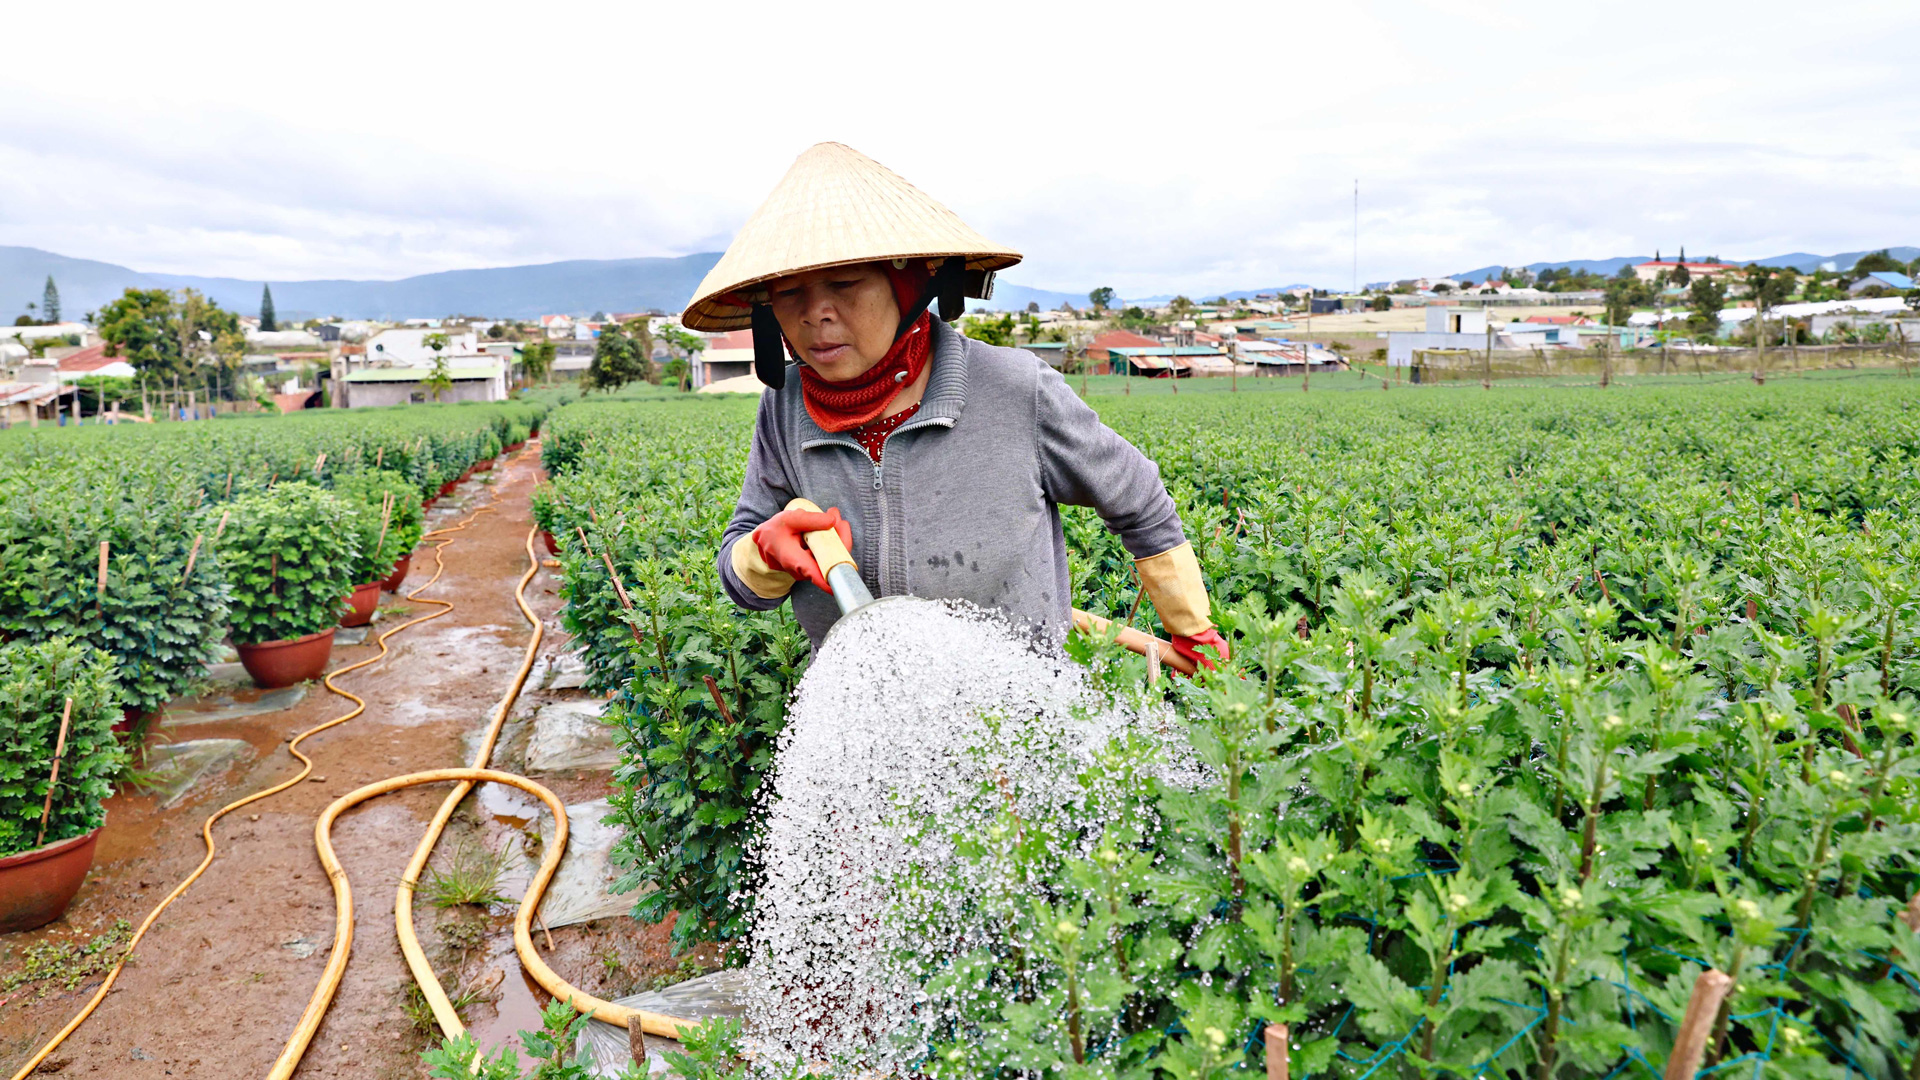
point(215, 988)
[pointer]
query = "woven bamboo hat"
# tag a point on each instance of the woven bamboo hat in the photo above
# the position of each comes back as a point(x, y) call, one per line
point(836, 206)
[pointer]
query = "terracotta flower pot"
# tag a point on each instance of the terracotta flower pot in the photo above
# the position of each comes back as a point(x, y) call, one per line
point(36, 886)
point(130, 718)
point(553, 546)
point(274, 664)
point(446, 489)
point(399, 575)
point(361, 603)
point(484, 466)
point(513, 447)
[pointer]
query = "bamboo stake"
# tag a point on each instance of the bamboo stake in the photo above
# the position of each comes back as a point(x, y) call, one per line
point(222, 527)
point(714, 689)
point(1709, 991)
point(386, 515)
point(317, 462)
point(637, 1045)
point(192, 554)
point(1276, 1035)
point(59, 751)
point(100, 586)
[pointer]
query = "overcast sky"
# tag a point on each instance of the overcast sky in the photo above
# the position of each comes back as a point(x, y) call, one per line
point(1170, 147)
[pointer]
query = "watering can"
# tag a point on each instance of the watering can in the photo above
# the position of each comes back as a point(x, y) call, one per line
point(852, 595)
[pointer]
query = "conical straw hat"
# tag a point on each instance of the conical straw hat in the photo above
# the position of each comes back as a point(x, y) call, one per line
point(835, 206)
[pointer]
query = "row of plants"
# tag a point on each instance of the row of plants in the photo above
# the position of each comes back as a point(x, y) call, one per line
point(1539, 705)
point(152, 544)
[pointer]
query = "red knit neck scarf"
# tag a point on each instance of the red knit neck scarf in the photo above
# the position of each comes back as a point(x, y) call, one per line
point(843, 406)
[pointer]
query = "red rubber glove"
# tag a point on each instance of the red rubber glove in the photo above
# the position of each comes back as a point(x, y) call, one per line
point(1189, 647)
point(781, 542)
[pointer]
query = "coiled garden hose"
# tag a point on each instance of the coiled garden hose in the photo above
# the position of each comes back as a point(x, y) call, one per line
point(429, 983)
point(306, 768)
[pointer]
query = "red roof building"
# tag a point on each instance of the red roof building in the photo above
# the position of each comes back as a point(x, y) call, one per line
point(1647, 271)
point(1118, 339)
point(91, 361)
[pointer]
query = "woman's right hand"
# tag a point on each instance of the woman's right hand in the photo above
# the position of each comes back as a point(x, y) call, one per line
point(781, 541)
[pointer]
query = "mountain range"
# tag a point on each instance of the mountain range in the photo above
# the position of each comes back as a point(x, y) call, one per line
point(575, 287)
point(1799, 260)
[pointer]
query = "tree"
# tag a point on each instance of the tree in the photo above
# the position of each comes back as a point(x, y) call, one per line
point(1769, 286)
point(142, 327)
point(1033, 306)
point(50, 302)
point(1913, 298)
point(439, 380)
point(436, 341)
point(1180, 307)
point(616, 360)
point(267, 324)
point(1679, 275)
point(1382, 302)
point(537, 358)
point(1625, 292)
point(1708, 297)
point(681, 345)
point(992, 331)
point(1101, 298)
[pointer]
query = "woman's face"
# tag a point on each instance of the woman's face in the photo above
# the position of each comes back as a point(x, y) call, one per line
point(840, 320)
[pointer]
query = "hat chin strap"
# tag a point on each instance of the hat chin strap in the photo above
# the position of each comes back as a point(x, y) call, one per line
point(769, 348)
point(949, 287)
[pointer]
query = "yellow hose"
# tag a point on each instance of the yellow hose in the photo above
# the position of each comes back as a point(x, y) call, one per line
point(306, 767)
point(443, 1011)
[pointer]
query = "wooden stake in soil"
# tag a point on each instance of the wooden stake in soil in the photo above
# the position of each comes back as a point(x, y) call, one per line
point(222, 527)
point(1276, 1036)
point(192, 554)
point(317, 462)
point(386, 515)
point(714, 689)
point(1709, 991)
point(100, 587)
point(59, 751)
point(637, 1044)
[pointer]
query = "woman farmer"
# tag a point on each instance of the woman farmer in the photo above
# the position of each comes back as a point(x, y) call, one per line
point(941, 460)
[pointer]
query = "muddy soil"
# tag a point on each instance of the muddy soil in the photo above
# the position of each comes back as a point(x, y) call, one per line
point(217, 985)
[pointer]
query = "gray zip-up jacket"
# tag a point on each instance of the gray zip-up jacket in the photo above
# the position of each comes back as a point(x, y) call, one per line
point(965, 502)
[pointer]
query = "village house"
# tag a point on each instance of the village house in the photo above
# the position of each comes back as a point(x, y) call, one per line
point(1653, 268)
point(1099, 350)
point(1887, 280)
point(727, 356)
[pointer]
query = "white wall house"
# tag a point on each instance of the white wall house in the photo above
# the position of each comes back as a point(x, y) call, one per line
point(406, 347)
point(474, 379)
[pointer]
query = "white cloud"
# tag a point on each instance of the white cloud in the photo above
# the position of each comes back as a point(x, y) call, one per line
point(1152, 148)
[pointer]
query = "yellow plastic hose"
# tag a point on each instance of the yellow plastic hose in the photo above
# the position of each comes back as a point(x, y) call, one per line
point(336, 968)
point(306, 767)
point(429, 983)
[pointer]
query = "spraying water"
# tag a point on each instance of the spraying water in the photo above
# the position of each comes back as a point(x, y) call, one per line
point(910, 712)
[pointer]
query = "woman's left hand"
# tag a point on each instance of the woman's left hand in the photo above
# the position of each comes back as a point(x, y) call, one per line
point(1189, 646)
